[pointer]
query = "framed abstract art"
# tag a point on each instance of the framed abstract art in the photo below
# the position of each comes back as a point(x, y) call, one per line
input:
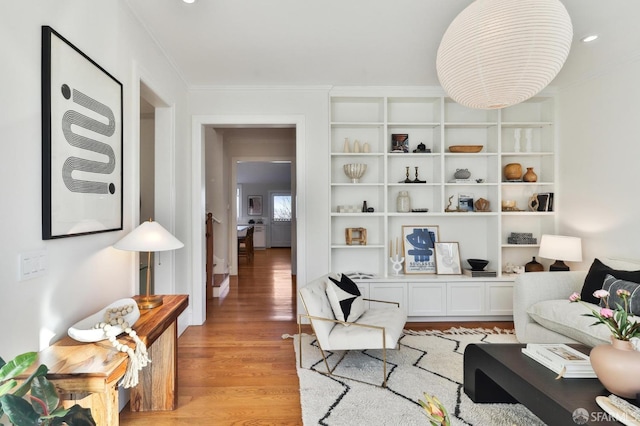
point(81, 142)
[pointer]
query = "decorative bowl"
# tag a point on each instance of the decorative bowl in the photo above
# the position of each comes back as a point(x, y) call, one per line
point(477, 264)
point(354, 171)
point(465, 148)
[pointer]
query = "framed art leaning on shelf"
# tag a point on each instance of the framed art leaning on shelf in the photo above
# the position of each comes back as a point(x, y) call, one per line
point(418, 244)
point(447, 259)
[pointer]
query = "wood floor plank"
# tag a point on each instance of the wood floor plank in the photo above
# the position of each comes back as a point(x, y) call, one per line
point(236, 369)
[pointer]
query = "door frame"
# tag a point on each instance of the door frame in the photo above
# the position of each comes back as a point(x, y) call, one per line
point(198, 210)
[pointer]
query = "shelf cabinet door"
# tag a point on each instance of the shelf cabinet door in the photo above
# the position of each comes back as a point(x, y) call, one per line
point(427, 299)
point(388, 292)
point(465, 298)
point(499, 298)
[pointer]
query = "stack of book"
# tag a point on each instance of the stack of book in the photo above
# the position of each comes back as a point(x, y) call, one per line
point(479, 274)
point(561, 359)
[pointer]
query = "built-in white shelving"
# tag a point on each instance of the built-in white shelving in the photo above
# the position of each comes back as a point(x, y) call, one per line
point(438, 123)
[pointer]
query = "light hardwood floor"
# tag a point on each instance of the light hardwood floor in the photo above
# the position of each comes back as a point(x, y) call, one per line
point(236, 369)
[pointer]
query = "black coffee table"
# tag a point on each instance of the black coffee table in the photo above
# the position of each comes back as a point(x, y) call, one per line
point(499, 373)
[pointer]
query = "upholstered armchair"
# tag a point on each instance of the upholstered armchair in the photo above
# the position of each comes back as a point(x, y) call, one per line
point(341, 320)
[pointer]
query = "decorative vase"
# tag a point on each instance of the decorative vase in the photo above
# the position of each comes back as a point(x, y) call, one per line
point(513, 171)
point(618, 367)
point(530, 175)
point(356, 146)
point(528, 133)
point(533, 266)
point(347, 145)
point(516, 136)
point(462, 174)
point(403, 202)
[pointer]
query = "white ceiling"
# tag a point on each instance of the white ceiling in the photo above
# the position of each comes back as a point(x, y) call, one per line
point(351, 42)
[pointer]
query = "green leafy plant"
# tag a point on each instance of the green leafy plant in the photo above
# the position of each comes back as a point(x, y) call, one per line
point(35, 401)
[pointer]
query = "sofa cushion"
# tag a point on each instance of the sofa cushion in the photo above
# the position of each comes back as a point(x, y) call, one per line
point(568, 318)
point(345, 298)
point(595, 279)
point(613, 284)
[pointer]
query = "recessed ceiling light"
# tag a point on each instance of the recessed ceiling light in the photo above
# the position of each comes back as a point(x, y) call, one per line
point(589, 38)
point(189, 1)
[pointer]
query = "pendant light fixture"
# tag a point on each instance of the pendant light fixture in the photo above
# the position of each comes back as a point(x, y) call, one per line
point(498, 53)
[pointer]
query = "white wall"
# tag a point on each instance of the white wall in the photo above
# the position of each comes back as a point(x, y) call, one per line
point(599, 155)
point(84, 273)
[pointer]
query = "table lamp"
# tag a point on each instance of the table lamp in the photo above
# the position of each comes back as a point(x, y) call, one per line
point(560, 248)
point(149, 236)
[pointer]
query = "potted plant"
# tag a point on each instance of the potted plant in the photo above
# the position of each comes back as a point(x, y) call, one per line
point(35, 401)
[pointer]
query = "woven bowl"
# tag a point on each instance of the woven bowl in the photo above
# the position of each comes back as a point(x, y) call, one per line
point(354, 171)
point(465, 148)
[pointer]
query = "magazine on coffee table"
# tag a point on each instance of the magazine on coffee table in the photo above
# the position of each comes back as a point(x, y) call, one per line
point(561, 359)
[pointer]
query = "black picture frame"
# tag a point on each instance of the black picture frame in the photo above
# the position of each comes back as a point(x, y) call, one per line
point(82, 142)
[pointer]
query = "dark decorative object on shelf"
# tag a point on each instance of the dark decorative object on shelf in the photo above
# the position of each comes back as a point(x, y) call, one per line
point(422, 148)
point(364, 206)
point(477, 264)
point(533, 266)
point(416, 180)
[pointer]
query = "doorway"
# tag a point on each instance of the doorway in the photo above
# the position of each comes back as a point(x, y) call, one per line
point(202, 125)
point(280, 217)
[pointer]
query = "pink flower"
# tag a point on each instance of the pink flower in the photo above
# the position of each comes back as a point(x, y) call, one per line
point(574, 297)
point(606, 313)
point(622, 292)
point(600, 293)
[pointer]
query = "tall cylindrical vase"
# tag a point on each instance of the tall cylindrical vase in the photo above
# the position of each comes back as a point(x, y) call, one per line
point(617, 366)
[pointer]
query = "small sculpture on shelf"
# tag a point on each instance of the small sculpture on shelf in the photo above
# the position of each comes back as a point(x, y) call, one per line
point(482, 205)
point(396, 259)
point(356, 236)
point(449, 209)
point(422, 148)
point(416, 180)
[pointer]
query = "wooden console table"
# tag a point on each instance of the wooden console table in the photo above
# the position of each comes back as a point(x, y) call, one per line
point(88, 373)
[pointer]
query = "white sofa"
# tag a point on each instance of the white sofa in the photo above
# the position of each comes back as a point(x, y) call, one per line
point(542, 312)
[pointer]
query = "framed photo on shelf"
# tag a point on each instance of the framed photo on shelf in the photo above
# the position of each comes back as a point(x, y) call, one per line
point(418, 247)
point(400, 142)
point(465, 202)
point(254, 206)
point(448, 259)
point(81, 142)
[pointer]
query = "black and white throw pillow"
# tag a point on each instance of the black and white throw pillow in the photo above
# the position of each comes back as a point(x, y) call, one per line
point(345, 298)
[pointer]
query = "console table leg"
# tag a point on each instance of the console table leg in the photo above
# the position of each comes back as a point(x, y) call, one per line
point(156, 389)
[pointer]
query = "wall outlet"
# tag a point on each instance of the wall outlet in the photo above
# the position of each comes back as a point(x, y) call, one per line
point(32, 264)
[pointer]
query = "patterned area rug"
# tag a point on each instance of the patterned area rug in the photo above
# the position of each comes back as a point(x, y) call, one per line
point(428, 361)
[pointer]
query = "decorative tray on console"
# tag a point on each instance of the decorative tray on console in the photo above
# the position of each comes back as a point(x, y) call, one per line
point(85, 330)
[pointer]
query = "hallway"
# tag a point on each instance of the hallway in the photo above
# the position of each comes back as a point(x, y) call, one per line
point(236, 369)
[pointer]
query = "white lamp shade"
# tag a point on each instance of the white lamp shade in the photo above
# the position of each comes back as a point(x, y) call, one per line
point(498, 53)
point(559, 247)
point(149, 236)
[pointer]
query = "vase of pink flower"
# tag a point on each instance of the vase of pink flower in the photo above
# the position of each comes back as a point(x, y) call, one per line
point(617, 365)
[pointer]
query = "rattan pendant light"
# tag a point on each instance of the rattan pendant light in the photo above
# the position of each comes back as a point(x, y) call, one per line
point(498, 53)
